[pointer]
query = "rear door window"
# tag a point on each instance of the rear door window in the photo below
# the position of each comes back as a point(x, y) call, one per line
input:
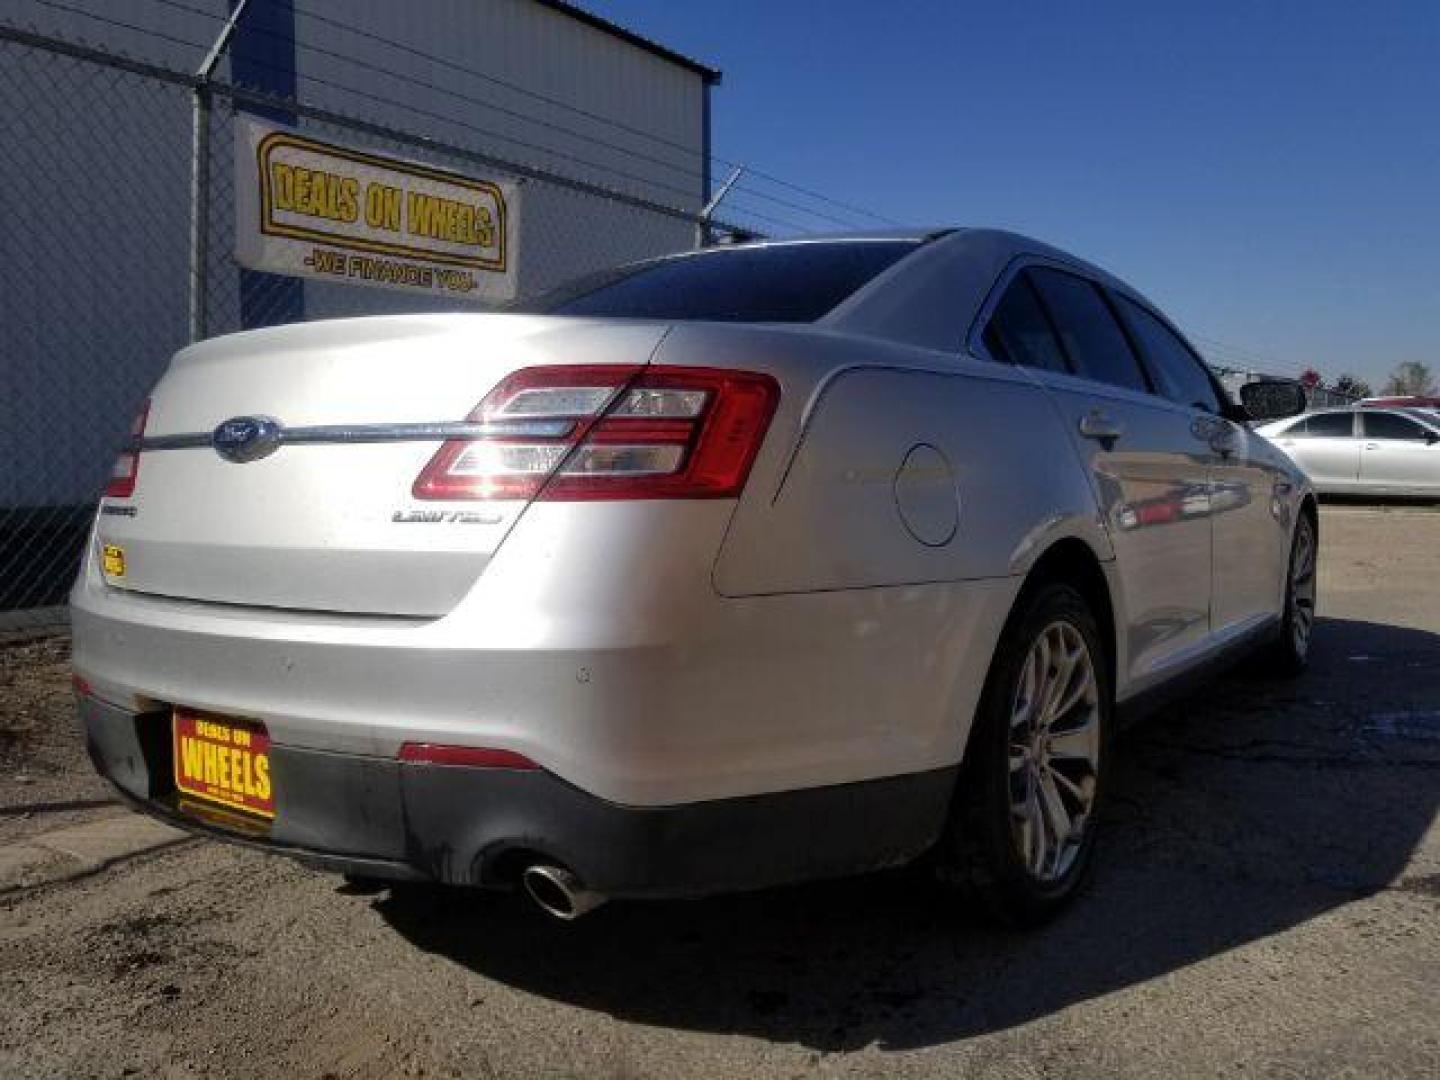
point(1383, 425)
point(1092, 339)
point(1335, 425)
point(1178, 373)
point(1019, 331)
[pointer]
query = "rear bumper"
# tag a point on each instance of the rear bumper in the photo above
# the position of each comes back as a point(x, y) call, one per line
point(384, 818)
point(638, 689)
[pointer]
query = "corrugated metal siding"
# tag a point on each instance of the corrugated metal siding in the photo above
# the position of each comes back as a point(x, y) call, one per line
point(653, 148)
point(530, 46)
point(117, 153)
point(155, 33)
point(95, 166)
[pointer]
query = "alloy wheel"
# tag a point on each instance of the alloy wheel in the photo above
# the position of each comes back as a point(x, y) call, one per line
point(1302, 586)
point(1054, 751)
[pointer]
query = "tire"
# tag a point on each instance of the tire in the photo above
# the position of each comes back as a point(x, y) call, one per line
point(1289, 654)
point(1004, 851)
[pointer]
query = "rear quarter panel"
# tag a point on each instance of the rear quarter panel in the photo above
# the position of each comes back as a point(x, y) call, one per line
point(902, 474)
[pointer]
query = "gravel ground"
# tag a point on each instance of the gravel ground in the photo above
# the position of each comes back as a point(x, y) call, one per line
point(47, 778)
point(1265, 904)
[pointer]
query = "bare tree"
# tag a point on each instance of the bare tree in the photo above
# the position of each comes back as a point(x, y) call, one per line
point(1411, 379)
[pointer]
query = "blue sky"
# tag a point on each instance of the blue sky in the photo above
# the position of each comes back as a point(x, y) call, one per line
point(1269, 173)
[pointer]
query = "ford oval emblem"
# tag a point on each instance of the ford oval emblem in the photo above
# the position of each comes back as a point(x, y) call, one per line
point(247, 438)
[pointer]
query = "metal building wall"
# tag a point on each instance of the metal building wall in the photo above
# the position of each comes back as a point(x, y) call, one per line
point(534, 48)
point(103, 161)
point(96, 171)
point(478, 74)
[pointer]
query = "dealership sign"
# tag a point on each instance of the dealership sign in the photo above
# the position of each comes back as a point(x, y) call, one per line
point(309, 208)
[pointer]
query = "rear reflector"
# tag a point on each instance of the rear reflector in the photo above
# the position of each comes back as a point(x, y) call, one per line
point(127, 464)
point(609, 432)
point(475, 757)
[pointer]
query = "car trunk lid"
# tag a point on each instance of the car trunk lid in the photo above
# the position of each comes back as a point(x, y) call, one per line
point(328, 521)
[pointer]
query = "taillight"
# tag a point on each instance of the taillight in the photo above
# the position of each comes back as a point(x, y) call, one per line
point(127, 462)
point(608, 432)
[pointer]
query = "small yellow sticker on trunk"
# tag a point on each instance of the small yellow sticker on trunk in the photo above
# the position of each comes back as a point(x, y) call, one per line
point(112, 561)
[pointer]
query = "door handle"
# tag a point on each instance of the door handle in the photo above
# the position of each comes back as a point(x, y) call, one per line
point(1098, 425)
point(1372, 446)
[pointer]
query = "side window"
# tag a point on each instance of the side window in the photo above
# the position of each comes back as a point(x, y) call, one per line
point(1385, 425)
point(1294, 430)
point(1092, 338)
point(1178, 373)
point(1334, 425)
point(1019, 332)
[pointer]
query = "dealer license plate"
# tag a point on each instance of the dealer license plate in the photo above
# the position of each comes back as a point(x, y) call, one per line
point(224, 761)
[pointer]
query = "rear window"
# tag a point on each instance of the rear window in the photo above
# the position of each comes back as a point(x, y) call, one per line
point(796, 282)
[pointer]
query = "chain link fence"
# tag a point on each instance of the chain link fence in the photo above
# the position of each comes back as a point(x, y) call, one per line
point(98, 168)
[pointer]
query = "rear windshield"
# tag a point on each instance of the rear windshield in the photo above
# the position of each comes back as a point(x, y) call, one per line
point(797, 282)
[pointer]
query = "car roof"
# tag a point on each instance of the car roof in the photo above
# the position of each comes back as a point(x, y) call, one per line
point(933, 296)
point(999, 246)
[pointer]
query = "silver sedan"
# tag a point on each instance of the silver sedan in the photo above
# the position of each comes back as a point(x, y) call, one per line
point(1365, 451)
point(733, 568)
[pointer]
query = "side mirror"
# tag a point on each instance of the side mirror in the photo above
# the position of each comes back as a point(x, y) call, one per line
point(1273, 399)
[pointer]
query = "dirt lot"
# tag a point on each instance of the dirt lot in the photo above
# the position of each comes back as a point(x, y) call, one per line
point(45, 777)
point(1267, 902)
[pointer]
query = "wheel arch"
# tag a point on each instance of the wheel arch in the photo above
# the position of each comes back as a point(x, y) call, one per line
point(1071, 561)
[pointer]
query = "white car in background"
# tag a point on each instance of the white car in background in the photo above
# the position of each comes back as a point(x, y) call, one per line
point(1371, 451)
point(732, 568)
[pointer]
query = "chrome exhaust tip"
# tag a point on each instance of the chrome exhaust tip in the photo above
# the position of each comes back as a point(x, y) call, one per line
point(558, 892)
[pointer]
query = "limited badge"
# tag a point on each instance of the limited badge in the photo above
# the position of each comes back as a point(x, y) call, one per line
point(112, 561)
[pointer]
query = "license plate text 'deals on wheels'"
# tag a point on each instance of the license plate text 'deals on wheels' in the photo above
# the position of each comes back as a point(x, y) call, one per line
point(224, 761)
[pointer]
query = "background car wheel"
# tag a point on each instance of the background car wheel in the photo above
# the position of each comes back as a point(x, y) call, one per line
point(1022, 828)
point(1290, 653)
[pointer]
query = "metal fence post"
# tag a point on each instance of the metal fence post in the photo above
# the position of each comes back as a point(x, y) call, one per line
point(199, 206)
point(703, 236)
point(200, 175)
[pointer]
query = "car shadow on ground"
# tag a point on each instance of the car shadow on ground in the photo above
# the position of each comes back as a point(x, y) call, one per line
point(1245, 812)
